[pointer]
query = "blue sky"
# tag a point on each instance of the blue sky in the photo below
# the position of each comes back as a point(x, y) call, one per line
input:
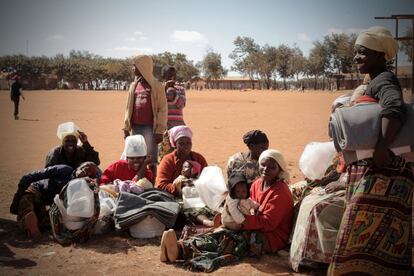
point(124, 28)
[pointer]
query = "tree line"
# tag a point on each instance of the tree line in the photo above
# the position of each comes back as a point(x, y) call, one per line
point(328, 59)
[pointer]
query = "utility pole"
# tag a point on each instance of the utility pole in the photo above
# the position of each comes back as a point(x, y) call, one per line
point(404, 17)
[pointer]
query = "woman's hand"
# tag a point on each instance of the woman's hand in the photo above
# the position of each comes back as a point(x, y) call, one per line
point(141, 173)
point(82, 137)
point(334, 186)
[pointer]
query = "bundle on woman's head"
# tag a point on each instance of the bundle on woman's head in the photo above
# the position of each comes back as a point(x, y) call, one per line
point(378, 39)
point(67, 129)
point(255, 137)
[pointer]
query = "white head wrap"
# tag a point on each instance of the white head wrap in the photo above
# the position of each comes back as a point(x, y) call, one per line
point(134, 147)
point(378, 39)
point(278, 157)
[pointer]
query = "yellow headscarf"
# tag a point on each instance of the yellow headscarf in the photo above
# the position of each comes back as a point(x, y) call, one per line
point(379, 39)
point(278, 157)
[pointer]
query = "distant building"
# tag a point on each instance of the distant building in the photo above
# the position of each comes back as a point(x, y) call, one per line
point(231, 82)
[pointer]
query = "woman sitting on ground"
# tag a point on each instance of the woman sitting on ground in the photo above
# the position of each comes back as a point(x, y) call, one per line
point(246, 162)
point(267, 231)
point(69, 153)
point(171, 165)
point(133, 163)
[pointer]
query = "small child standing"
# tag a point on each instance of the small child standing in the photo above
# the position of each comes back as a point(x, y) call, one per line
point(238, 204)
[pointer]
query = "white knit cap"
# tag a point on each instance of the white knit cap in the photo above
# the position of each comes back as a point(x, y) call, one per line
point(134, 147)
point(278, 157)
point(378, 39)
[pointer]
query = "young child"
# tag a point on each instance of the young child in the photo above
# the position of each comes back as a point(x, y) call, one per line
point(189, 172)
point(237, 203)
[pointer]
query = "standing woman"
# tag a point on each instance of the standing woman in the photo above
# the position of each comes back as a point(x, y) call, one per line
point(146, 108)
point(375, 233)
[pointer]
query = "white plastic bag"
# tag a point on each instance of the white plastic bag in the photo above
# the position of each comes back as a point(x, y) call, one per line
point(80, 199)
point(107, 204)
point(71, 223)
point(316, 158)
point(211, 187)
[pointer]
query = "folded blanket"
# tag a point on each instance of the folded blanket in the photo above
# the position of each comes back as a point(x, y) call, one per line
point(355, 131)
point(132, 208)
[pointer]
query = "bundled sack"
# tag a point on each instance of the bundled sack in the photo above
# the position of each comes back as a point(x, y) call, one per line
point(355, 131)
point(69, 223)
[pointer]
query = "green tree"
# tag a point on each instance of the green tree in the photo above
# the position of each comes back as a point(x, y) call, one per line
point(297, 65)
point(318, 61)
point(245, 56)
point(284, 55)
point(212, 67)
point(186, 70)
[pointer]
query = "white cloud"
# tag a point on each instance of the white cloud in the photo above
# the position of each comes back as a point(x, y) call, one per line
point(304, 37)
point(138, 33)
point(143, 38)
point(188, 36)
point(56, 37)
point(131, 49)
point(130, 38)
point(347, 31)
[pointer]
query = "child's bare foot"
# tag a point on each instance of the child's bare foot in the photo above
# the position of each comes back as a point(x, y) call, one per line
point(30, 222)
point(217, 220)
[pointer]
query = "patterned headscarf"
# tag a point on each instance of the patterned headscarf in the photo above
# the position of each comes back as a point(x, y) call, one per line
point(278, 157)
point(177, 132)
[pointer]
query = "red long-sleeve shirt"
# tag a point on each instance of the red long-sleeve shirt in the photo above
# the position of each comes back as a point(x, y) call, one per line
point(120, 170)
point(170, 168)
point(274, 218)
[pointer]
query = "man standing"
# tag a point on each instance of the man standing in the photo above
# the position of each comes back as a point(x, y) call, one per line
point(146, 108)
point(15, 93)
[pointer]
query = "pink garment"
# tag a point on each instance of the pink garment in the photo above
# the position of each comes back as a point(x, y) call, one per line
point(177, 132)
point(196, 167)
point(127, 186)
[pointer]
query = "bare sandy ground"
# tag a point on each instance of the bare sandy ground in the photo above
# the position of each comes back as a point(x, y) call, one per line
point(218, 119)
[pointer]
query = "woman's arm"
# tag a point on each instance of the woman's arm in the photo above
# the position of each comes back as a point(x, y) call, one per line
point(389, 129)
point(165, 176)
point(274, 212)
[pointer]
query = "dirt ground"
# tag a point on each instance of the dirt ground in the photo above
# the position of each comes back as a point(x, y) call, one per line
point(218, 119)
